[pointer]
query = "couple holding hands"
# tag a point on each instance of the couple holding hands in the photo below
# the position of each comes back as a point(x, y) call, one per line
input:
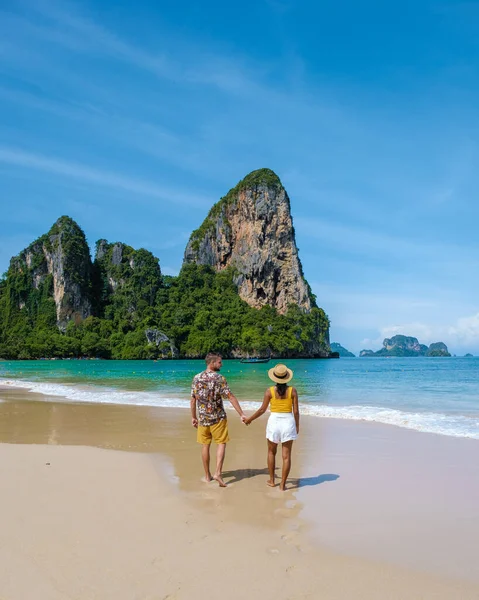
point(208, 390)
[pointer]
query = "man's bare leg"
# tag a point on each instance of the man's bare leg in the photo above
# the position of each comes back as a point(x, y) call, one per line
point(220, 458)
point(272, 449)
point(205, 457)
point(286, 451)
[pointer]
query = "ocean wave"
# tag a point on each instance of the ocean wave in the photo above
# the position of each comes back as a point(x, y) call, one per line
point(439, 423)
point(96, 395)
point(426, 422)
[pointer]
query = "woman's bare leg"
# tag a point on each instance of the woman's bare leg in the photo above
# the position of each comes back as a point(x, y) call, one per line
point(286, 448)
point(272, 449)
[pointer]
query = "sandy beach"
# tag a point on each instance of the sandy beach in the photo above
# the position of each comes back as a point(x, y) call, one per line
point(105, 501)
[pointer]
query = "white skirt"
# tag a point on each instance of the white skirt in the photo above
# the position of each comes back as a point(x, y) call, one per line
point(281, 427)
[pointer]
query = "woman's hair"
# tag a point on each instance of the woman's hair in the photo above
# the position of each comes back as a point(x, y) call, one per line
point(281, 387)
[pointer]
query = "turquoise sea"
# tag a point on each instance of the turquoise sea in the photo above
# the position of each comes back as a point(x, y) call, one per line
point(437, 395)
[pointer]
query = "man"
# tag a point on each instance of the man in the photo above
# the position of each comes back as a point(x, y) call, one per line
point(207, 392)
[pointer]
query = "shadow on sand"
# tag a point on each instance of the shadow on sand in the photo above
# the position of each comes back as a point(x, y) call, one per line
point(240, 474)
point(306, 481)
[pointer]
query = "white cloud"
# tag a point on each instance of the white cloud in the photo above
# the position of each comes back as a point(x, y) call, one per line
point(370, 240)
point(425, 333)
point(371, 344)
point(28, 160)
point(68, 25)
point(466, 331)
point(355, 308)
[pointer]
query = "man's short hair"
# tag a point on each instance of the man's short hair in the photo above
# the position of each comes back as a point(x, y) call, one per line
point(211, 356)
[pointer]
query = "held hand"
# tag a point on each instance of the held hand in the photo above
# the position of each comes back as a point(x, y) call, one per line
point(244, 419)
point(194, 422)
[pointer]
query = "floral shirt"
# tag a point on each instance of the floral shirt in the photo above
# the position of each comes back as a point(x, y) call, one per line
point(208, 389)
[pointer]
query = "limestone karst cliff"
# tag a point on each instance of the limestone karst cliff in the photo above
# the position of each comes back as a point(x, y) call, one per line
point(402, 345)
point(241, 290)
point(125, 276)
point(251, 230)
point(58, 262)
point(341, 350)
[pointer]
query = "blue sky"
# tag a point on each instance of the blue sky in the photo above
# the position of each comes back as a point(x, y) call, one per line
point(134, 118)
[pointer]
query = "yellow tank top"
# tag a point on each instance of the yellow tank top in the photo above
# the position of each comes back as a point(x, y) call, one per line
point(281, 405)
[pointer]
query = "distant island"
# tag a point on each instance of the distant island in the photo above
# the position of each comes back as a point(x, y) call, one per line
point(341, 350)
point(402, 345)
point(468, 355)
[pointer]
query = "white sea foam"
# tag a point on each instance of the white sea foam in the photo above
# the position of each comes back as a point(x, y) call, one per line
point(95, 395)
point(439, 423)
point(452, 425)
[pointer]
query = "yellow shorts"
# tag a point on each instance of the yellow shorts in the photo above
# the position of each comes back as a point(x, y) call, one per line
point(218, 432)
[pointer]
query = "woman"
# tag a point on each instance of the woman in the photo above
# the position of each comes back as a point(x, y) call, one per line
point(283, 423)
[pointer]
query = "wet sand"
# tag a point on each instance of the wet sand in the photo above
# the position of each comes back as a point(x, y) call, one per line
point(372, 511)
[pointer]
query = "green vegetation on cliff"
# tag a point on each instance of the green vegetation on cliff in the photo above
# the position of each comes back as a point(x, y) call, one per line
point(126, 281)
point(202, 311)
point(131, 303)
point(29, 317)
point(67, 238)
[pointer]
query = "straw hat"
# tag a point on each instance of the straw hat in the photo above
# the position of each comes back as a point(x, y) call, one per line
point(280, 374)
